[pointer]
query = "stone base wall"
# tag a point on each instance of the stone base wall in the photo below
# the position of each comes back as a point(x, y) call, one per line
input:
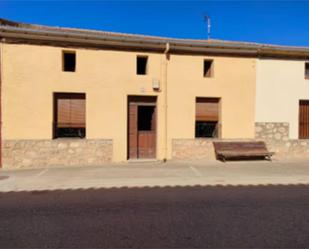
point(290, 149)
point(276, 136)
point(198, 148)
point(183, 149)
point(57, 152)
point(274, 132)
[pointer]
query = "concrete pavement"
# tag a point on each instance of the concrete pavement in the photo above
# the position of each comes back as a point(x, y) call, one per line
point(151, 174)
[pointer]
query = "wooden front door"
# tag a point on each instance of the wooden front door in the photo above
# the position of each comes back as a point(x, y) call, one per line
point(303, 119)
point(142, 127)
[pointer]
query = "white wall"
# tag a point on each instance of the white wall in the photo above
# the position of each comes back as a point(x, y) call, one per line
point(279, 87)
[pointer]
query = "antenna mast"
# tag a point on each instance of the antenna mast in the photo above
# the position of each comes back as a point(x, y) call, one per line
point(207, 19)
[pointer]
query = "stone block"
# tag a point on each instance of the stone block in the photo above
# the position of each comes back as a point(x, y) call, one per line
point(74, 144)
point(62, 145)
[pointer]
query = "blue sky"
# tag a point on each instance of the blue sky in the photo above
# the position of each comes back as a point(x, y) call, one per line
point(274, 22)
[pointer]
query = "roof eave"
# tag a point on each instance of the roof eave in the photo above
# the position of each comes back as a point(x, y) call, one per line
point(57, 37)
point(14, 33)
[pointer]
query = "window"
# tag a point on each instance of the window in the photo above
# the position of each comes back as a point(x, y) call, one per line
point(206, 129)
point(307, 70)
point(69, 61)
point(208, 68)
point(207, 117)
point(141, 65)
point(69, 115)
point(146, 119)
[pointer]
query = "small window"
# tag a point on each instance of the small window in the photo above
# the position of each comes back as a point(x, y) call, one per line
point(307, 70)
point(69, 61)
point(207, 117)
point(141, 65)
point(208, 68)
point(69, 115)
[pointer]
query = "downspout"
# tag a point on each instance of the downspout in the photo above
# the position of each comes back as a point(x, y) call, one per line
point(1, 75)
point(167, 57)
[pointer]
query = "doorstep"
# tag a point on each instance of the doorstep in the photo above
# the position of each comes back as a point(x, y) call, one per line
point(144, 160)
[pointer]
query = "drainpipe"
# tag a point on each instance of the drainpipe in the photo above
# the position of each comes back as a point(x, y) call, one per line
point(1, 75)
point(166, 53)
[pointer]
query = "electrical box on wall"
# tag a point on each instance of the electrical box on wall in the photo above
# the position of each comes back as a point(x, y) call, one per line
point(155, 84)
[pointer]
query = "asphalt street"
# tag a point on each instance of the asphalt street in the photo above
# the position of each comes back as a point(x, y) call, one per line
point(272, 216)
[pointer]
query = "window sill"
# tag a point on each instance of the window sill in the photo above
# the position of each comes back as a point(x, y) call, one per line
point(208, 138)
point(69, 138)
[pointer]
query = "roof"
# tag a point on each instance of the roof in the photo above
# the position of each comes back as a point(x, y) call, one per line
point(15, 32)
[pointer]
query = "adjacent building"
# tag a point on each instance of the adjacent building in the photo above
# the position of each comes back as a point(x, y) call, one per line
point(82, 97)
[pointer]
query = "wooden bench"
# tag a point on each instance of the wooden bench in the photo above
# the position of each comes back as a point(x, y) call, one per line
point(241, 150)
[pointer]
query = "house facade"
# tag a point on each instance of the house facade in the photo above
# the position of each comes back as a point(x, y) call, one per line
point(282, 94)
point(81, 97)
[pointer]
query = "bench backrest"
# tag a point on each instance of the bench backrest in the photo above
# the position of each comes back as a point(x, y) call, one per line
point(240, 146)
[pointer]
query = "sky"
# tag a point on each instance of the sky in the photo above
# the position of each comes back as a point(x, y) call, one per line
point(270, 22)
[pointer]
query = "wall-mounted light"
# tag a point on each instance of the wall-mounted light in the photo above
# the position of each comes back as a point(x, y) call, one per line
point(156, 84)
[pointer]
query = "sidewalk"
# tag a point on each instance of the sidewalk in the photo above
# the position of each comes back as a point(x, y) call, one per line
point(151, 174)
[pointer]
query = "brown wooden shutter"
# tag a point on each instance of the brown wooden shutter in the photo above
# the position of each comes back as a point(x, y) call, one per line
point(63, 113)
point(77, 115)
point(304, 119)
point(207, 109)
point(71, 109)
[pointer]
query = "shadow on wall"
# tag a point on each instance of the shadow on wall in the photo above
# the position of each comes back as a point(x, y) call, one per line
point(270, 216)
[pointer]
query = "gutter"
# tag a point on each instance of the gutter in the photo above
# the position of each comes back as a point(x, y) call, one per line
point(1, 75)
point(92, 35)
point(166, 53)
point(29, 35)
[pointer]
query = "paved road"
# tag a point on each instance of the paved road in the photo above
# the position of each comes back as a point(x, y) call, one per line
point(172, 217)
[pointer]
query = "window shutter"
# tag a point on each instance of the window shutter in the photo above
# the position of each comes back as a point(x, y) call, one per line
point(303, 119)
point(207, 109)
point(71, 109)
point(77, 114)
point(63, 113)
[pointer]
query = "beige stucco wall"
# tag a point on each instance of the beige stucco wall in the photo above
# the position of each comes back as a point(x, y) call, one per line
point(32, 73)
point(280, 86)
point(233, 82)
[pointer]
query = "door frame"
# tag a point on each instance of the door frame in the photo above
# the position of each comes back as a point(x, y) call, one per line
point(142, 100)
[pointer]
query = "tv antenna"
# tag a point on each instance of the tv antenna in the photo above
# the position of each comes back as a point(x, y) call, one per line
point(207, 20)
